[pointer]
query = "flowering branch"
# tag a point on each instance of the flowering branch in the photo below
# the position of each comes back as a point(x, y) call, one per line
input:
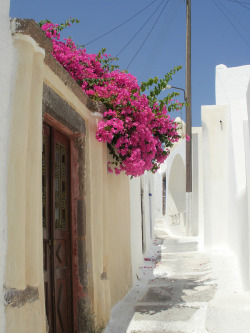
point(136, 127)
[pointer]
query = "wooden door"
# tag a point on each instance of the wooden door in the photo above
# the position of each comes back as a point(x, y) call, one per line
point(56, 230)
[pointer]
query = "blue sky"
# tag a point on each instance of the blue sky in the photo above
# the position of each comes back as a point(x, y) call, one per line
point(218, 36)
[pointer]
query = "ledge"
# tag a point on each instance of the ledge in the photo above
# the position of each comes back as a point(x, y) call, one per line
point(30, 27)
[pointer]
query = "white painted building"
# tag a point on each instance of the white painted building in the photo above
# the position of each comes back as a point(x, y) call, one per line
point(221, 190)
point(157, 202)
point(225, 130)
point(225, 187)
point(170, 189)
point(143, 198)
point(221, 174)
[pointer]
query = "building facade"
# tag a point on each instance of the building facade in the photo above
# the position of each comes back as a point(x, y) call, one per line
point(66, 250)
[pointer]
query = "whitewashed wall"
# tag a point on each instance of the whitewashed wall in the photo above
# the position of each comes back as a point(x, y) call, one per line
point(174, 169)
point(146, 204)
point(142, 200)
point(224, 152)
point(197, 226)
point(6, 56)
point(247, 159)
point(217, 195)
point(148, 201)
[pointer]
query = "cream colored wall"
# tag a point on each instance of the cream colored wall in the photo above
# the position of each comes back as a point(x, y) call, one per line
point(108, 214)
point(107, 199)
point(24, 260)
point(95, 175)
point(6, 56)
point(117, 235)
point(136, 228)
point(27, 318)
point(108, 228)
point(96, 158)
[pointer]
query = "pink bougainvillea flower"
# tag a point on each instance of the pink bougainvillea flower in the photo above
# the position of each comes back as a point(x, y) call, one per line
point(110, 170)
point(137, 133)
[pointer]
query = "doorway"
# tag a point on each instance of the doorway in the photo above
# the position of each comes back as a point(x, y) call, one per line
point(57, 230)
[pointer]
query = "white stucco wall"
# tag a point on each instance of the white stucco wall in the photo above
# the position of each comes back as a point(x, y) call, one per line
point(216, 132)
point(174, 169)
point(148, 197)
point(158, 194)
point(232, 87)
point(6, 56)
point(142, 200)
point(224, 162)
point(247, 159)
point(197, 226)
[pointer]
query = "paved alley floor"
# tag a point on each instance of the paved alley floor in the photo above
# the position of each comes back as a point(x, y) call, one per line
point(175, 284)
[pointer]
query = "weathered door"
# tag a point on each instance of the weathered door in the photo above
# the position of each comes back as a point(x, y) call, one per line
point(56, 230)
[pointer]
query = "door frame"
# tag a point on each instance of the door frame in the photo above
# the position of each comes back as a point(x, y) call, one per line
point(66, 120)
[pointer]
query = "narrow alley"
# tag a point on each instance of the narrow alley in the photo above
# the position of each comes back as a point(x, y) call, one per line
point(176, 283)
point(124, 194)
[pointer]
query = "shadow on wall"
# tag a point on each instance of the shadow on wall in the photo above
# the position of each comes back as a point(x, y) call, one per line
point(176, 199)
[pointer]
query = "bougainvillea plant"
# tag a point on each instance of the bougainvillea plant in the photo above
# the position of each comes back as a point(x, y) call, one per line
point(137, 127)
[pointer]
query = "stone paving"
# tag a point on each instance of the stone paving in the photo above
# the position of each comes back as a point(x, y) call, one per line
point(174, 287)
